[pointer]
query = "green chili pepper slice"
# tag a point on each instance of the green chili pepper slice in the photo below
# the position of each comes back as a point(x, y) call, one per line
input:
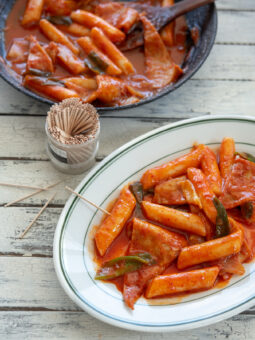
point(60, 20)
point(98, 61)
point(51, 82)
point(122, 265)
point(246, 156)
point(137, 190)
point(144, 258)
point(247, 210)
point(92, 67)
point(222, 222)
point(106, 274)
point(95, 63)
point(35, 72)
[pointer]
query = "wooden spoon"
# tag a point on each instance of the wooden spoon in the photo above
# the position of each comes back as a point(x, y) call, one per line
point(159, 17)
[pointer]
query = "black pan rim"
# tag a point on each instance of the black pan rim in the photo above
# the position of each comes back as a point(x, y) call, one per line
point(166, 90)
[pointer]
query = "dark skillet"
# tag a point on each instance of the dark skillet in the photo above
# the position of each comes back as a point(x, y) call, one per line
point(205, 18)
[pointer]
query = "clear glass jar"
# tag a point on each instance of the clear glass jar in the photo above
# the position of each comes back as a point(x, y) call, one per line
point(72, 158)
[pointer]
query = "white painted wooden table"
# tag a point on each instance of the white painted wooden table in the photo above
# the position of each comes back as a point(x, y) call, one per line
point(32, 304)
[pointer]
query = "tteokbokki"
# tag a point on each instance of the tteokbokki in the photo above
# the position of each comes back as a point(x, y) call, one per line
point(186, 226)
point(68, 48)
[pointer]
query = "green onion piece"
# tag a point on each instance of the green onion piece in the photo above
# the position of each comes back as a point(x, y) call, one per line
point(92, 67)
point(60, 20)
point(247, 210)
point(94, 57)
point(49, 82)
point(137, 190)
point(222, 222)
point(122, 265)
point(246, 156)
point(95, 63)
point(56, 80)
point(35, 72)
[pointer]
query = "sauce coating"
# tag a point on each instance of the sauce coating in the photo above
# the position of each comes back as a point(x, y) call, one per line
point(189, 251)
point(131, 87)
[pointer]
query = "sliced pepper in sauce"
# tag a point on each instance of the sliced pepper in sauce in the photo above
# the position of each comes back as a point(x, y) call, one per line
point(60, 20)
point(52, 81)
point(95, 63)
point(122, 265)
point(222, 223)
point(246, 156)
point(137, 190)
point(35, 72)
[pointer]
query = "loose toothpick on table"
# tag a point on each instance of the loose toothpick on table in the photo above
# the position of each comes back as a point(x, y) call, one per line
point(88, 201)
point(21, 186)
point(38, 215)
point(33, 194)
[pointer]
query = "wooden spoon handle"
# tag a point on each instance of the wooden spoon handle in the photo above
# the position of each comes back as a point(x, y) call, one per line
point(183, 7)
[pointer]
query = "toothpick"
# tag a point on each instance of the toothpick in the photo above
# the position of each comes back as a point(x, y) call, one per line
point(83, 131)
point(88, 201)
point(33, 194)
point(20, 186)
point(37, 216)
point(58, 121)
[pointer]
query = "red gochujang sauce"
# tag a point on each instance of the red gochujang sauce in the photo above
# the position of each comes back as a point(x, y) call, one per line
point(121, 245)
point(14, 29)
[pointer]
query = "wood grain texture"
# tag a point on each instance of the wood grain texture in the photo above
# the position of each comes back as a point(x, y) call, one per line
point(39, 239)
point(236, 5)
point(31, 282)
point(21, 132)
point(31, 172)
point(236, 27)
point(79, 325)
point(229, 62)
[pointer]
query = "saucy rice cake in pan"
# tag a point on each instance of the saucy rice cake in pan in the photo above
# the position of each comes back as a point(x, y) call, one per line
point(70, 48)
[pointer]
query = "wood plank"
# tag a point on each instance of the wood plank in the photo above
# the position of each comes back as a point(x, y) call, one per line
point(31, 282)
point(229, 62)
point(14, 102)
point(236, 27)
point(237, 5)
point(46, 174)
point(41, 173)
point(39, 239)
point(24, 136)
point(79, 325)
point(196, 97)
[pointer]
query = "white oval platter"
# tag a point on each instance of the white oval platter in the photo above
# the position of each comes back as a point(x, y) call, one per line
point(73, 242)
